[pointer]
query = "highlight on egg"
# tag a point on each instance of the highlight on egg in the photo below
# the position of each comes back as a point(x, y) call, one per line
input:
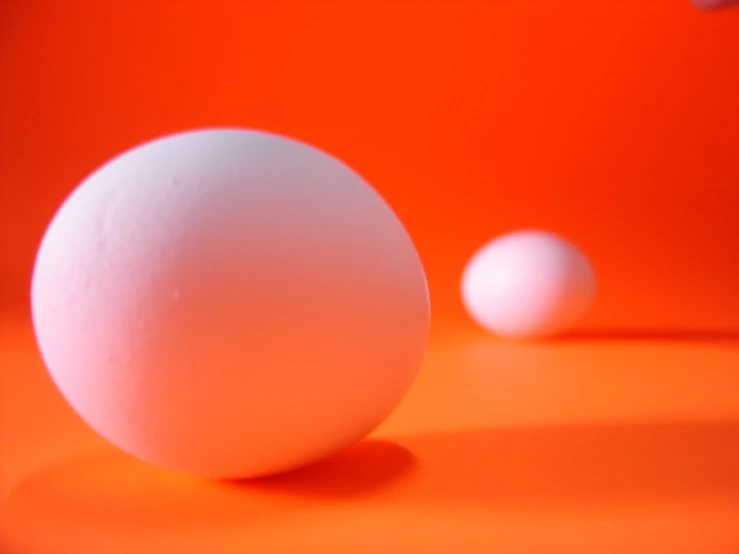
point(229, 303)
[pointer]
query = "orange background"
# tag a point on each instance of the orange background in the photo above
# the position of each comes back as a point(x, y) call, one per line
point(612, 122)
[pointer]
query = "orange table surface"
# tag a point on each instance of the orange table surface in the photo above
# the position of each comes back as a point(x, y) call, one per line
point(594, 445)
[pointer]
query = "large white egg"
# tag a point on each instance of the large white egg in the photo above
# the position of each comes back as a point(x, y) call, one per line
point(229, 303)
point(528, 284)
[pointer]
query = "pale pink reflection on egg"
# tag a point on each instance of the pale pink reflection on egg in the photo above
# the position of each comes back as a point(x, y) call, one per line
point(528, 284)
point(229, 303)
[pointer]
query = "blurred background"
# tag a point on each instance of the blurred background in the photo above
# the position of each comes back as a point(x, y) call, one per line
point(613, 122)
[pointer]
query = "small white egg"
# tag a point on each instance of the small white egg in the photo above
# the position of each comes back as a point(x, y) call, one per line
point(528, 284)
point(229, 303)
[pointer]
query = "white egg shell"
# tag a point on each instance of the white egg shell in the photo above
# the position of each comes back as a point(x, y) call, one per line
point(528, 284)
point(229, 303)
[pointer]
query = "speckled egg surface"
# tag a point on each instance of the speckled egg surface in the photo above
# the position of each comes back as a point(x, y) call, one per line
point(229, 303)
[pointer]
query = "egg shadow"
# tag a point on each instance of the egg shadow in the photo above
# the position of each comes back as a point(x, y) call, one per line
point(656, 335)
point(366, 468)
point(111, 498)
point(111, 492)
point(614, 334)
point(499, 468)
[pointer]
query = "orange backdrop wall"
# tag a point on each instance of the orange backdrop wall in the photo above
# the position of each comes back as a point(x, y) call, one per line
point(612, 122)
